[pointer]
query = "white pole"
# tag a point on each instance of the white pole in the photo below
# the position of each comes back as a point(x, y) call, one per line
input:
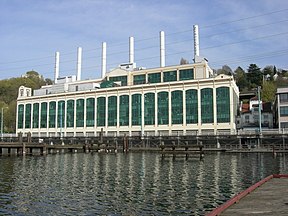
point(104, 47)
point(196, 40)
point(56, 71)
point(79, 62)
point(162, 49)
point(131, 49)
point(2, 121)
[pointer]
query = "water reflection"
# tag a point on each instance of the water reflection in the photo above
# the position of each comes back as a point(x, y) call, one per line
point(127, 184)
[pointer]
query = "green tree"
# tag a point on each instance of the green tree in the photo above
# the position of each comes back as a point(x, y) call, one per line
point(225, 70)
point(241, 79)
point(268, 91)
point(254, 76)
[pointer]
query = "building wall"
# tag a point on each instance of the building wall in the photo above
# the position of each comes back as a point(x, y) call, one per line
point(282, 108)
point(172, 108)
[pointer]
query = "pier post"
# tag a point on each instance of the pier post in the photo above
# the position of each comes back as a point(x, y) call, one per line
point(29, 140)
point(101, 136)
point(125, 143)
point(0, 151)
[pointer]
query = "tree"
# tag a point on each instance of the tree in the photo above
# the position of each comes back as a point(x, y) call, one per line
point(241, 79)
point(183, 61)
point(268, 72)
point(254, 75)
point(268, 91)
point(225, 70)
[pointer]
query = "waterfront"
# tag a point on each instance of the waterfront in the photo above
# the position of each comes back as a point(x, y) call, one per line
point(128, 184)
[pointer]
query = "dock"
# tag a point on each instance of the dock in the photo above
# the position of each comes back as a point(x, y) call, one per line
point(266, 197)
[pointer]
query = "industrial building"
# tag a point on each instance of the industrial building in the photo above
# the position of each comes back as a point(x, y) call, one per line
point(169, 100)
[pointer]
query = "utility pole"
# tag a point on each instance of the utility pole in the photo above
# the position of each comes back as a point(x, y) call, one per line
point(259, 109)
point(2, 122)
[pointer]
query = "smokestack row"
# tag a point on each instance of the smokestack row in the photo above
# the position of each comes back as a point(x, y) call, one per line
point(131, 54)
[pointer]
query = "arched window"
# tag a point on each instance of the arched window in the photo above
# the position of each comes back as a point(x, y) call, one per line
point(207, 105)
point(191, 106)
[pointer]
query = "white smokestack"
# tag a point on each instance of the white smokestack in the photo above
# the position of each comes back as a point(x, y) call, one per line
point(103, 59)
point(79, 62)
point(131, 49)
point(196, 40)
point(56, 71)
point(162, 49)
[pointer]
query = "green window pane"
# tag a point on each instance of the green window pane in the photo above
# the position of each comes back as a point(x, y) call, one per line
point(101, 111)
point(20, 115)
point(61, 114)
point(154, 78)
point(80, 113)
point(112, 111)
point(163, 108)
point(191, 106)
point(52, 114)
point(149, 108)
point(177, 107)
point(223, 104)
point(43, 115)
point(284, 111)
point(136, 109)
point(139, 79)
point(207, 105)
point(90, 112)
point(35, 115)
point(186, 74)
point(170, 76)
point(122, 79)
point(124, 110)
point(70, 114)
point(27, 115)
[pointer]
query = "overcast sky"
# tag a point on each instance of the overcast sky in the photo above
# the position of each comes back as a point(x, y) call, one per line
point(232, 32)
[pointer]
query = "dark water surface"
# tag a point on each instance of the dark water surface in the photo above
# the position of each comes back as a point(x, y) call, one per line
point(128, 184)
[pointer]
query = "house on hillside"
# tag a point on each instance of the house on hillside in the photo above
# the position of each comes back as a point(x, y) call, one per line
point(249, 114)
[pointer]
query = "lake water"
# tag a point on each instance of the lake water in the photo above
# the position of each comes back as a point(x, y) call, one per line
point(128, 184)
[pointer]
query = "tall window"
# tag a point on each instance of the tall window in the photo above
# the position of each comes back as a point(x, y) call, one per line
point(43, 115)
point(223, 104)
point(124, 110)
point(101, 111)
point(149, 108)
point(136, 109)
point(35, 123)
point(177, 107)
point(52, 114)
point(170, 76)
point(61, 114)
point(27, 115)
point(139, 79)
point(186, 74)
point(191, 106)
point(154, 78)
point(80, 113)
point(90, 112)
point(163, 108)
point(112, 111)
point(20, 115)
point(70, 114)
point(207, 105)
